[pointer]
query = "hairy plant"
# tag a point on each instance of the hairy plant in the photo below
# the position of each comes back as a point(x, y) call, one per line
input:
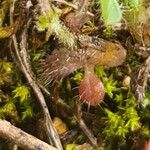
point(52, 23)
point(91, 89)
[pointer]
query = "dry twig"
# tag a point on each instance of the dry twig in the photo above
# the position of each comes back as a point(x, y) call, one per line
point(73, 6)
point(80, 121)
point(21, 138)
point(141, 82)
point(20, 53)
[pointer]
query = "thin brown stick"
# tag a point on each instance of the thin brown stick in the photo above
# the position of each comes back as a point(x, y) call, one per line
point(142, 79)
point(87, 132)
point(22, 58)
point(79, 119)
point(73, 6)
point(83, 5)
point(21, 138)
point(54, 137)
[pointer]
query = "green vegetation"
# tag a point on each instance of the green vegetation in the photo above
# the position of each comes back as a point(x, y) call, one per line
point(124, 121)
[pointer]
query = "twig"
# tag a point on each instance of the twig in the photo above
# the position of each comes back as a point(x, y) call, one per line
point(80, 121)
point(54, 137)
point(73, 6)
point(82, 125)
point(141, 81)
point(83, 5)
point(23, 61)
point(66, 3)
point(87, 132)
point(44, 89)
point(21, 138)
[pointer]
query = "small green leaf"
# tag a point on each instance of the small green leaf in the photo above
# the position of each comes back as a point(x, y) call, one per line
point(8, 107)
point(145, 131)
point(6, 66)
point(119, 97)
point(121, 131)
point(5, 32)
point(70, 146)
point(43, 22)
point(110, 86)
point(133, 124)
point(78, 77)
point(22, 92)
point(100, 71)
point(37, 56)
point(132, 3)
point(146, 100)
point(28, 113)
